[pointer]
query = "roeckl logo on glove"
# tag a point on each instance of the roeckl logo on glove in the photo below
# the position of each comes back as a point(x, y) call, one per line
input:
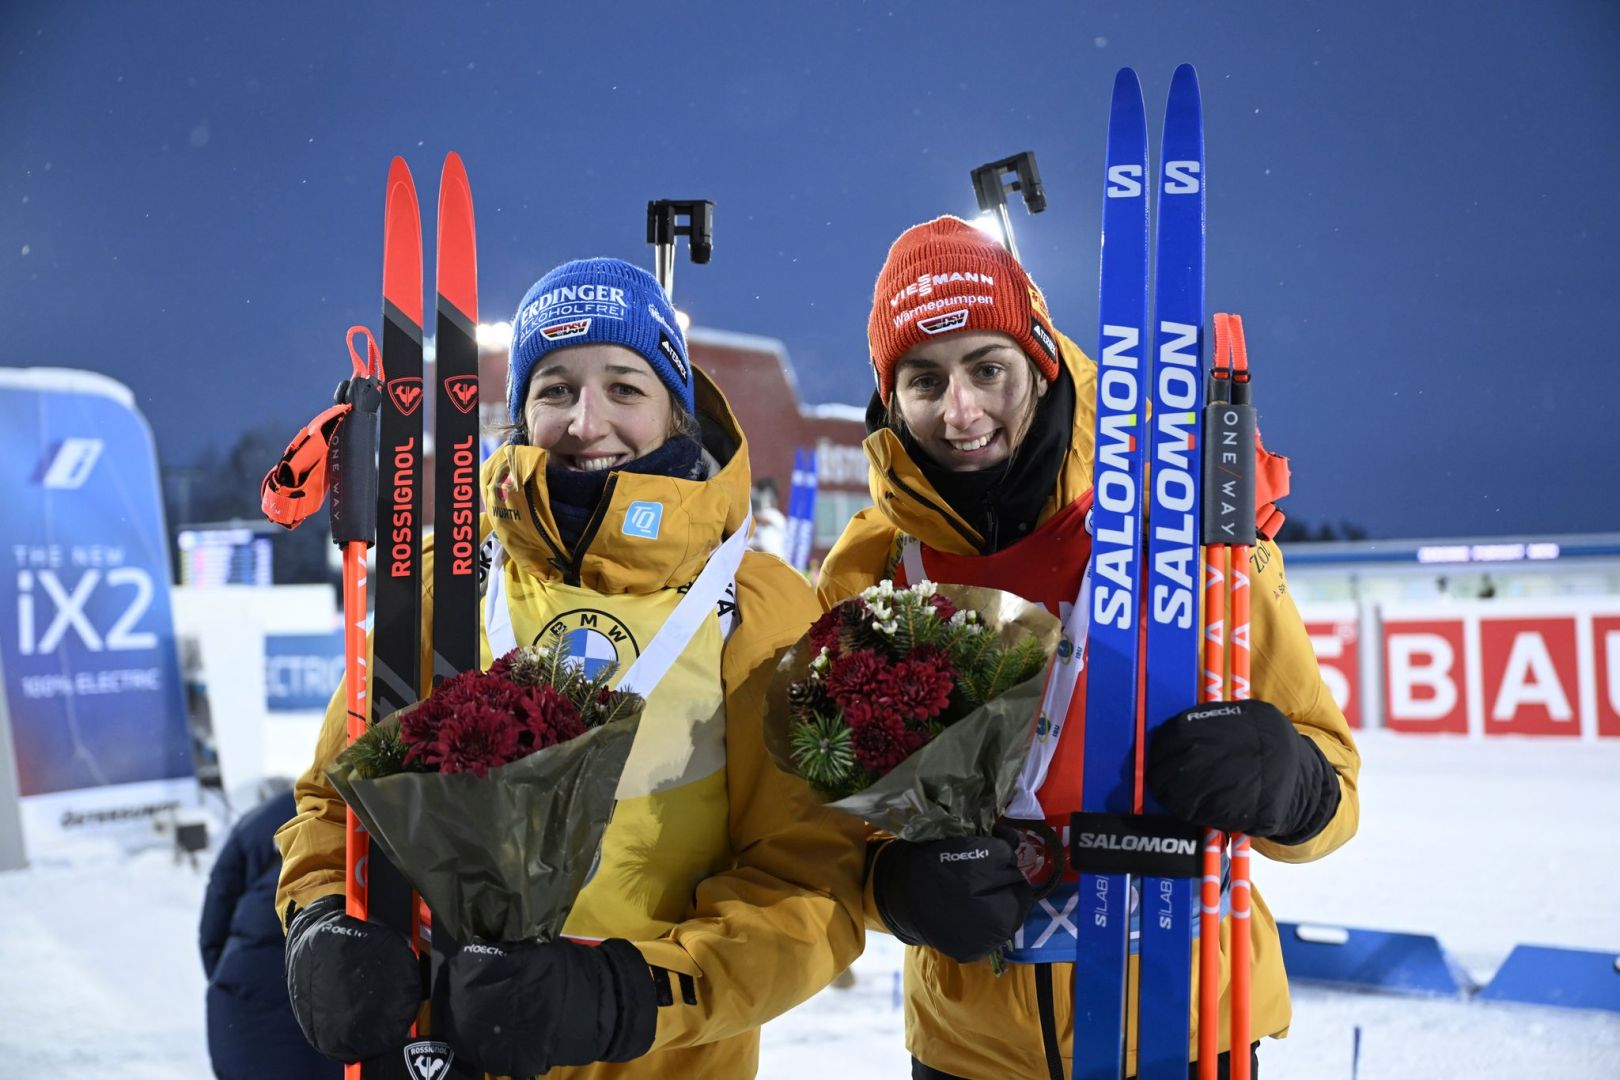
point(1208, 714)
point(964, 856)
point(347, 931)
point(483, 950)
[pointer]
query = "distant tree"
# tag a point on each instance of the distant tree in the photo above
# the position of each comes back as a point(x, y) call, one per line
point(211, 492)
point(1293, 531)
point(1296, 531)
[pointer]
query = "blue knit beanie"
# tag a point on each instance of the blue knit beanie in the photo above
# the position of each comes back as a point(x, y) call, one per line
point(589, 301)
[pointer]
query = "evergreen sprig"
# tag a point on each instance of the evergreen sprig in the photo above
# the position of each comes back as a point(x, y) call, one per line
point(553, 665)
point(380, 752)
point(997, 669)
point(822, 751)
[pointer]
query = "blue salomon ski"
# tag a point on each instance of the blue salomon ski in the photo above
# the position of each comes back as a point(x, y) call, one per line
point(1168, 904)
point(1111, 718)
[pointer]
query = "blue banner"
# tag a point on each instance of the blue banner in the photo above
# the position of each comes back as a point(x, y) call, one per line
point(301, 671)
point(801, 531)
point(87, 648)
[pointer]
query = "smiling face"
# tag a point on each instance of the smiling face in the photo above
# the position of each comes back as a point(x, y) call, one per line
point(967, 398)
point(593, 407)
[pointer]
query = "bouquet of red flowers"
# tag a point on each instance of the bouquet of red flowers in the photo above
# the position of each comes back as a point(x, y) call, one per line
point(491, 795)
point(914, 708)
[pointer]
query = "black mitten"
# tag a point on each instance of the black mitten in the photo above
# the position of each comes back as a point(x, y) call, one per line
point(1242, 766)
point(964, 896)
point(355, 986)
point(519, 1009)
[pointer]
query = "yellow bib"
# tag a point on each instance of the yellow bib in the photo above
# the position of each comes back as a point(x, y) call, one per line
point(669, 829)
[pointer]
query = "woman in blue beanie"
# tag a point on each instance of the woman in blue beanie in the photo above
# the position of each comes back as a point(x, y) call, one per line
point(724, 894)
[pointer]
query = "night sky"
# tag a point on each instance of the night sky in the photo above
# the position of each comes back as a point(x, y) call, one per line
point(1415, 206)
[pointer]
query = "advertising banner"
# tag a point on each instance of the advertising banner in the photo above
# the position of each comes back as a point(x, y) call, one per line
point(301, 671)
point(1525, 667)
point(1335, 631)
point(87, 650)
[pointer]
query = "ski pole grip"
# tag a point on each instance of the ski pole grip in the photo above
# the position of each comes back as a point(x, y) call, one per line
point(352, 464)
point(1229, 479)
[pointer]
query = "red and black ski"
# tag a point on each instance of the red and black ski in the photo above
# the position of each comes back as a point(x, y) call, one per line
point(396, 629)
point(455, 431)
point(455, 479)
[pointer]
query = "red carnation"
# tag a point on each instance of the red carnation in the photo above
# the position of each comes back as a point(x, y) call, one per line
point(856, 676)
point(942, 605)
point(922, 687)
point(881, 741)
point(547, 717)
point(824, 632)
point(475, 739)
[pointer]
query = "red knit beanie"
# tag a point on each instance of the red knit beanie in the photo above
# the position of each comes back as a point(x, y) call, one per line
point(944, 276)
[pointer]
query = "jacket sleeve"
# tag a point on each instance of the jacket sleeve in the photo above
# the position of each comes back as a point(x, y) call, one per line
point(775, 927)
point(1285, 673)
point(864, 555)
point(312, 843)
point(226, 883)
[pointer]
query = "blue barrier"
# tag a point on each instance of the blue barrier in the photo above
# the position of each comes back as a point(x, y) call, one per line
point(1370, 960)
point(1568, 978)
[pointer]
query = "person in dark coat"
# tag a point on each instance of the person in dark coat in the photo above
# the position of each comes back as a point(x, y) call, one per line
point(251, 1031)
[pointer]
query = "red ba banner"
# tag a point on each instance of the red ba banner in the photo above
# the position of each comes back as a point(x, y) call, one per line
point(1548, 667)
point(1335, 631)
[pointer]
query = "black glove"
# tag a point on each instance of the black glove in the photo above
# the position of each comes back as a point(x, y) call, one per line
point(355, 986)
point(964, 896)
point(517, 1009)
point(1242, 766)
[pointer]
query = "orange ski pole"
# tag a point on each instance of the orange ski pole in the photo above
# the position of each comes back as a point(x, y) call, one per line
point(1229, 532)
point(353, 469)
point(1239, 649)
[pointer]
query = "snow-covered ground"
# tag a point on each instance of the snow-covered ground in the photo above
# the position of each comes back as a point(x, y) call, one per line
point(1485, 844)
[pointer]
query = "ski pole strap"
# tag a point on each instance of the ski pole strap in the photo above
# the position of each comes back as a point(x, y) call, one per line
point(717, 577)
point(1151, 845)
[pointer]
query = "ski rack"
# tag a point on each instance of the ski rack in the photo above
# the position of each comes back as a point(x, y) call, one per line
point(663, 226)
point(991, 186)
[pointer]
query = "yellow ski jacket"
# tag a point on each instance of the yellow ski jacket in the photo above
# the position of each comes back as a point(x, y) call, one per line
point(726, 871)
point(963, 1019)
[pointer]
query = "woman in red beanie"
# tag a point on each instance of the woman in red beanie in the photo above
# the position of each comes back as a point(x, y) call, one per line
point(981, 461)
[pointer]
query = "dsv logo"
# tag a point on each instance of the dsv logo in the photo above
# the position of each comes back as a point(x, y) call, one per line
point(41, 592)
